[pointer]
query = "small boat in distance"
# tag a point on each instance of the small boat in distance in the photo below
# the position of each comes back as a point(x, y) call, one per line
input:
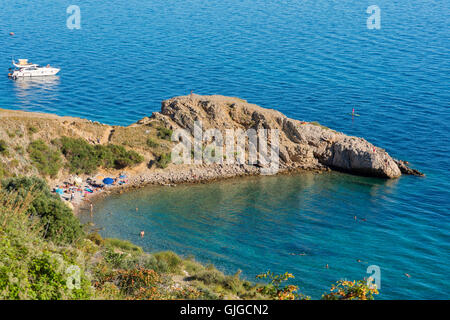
point(27, 69)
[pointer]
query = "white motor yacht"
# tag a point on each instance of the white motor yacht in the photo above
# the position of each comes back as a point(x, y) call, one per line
point(27, 69)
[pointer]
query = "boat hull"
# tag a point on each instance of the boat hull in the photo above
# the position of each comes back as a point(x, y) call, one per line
point(39, 72)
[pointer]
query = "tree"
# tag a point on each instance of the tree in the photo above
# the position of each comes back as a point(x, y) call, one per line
point(56, 219)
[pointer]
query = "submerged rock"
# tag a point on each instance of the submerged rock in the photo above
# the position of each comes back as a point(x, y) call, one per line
point(403, 165)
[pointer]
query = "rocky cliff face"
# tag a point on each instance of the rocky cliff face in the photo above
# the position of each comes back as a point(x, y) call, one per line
point(303, 145)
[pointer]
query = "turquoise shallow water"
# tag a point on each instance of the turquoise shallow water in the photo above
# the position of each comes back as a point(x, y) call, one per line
point(255, 224)
point(312, 60)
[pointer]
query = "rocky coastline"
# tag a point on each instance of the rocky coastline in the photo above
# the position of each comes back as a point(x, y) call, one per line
point(303, 146)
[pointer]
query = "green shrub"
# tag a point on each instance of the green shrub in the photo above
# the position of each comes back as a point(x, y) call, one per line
point(32, 129)
point(4, 172)
point(163, 160)
point(46, 160)
point(4, 148)
point(142, 260)
point(86, 158)
point(12, 135)
point(162, 266)
point(14, 163)
point(30, 267)
point(171, 258)
point(80, 155)
point(209, 277)
point(115, 259)
point(46, 281)
point(192, 266)
point(56, 219)
point(213, 282)
point(122, 245)
point(96, 238)
point(148, 261)
point(19, 149)
point(351, 290)
point(59, 223)
point(276, 291)
point(138, 283)
point(234, 283)
point(24, 185)
point(152, 143)
point(130, 260)
point(118, 157)
point(164, 133)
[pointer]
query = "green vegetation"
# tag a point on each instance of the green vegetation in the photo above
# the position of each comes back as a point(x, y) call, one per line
point(4, 148)
point(95, 238)
point(122, 245)
point(19, 149)
point(215, 285)
point(32, 130)
point(164, 133)
point(54, 218)
point(44, 254)
point(30, 266)
point(152, 143)
point(4, 172)
point(14, 163)
point(276, 291)
point(86, 158)
point(351, 290)
point(46, 160)
point(170, 260)
point(163, 160)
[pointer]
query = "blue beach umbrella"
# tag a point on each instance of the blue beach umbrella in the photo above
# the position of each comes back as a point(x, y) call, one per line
point(59, 191)
point(108, 181)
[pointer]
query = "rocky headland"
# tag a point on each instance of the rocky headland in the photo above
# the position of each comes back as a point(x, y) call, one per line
point(302, 145)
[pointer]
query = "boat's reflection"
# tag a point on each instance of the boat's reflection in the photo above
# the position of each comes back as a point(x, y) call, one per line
point(44, 83)
point(35, 91)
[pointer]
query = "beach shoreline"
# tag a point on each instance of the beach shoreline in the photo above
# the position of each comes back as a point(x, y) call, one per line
point(182, 176)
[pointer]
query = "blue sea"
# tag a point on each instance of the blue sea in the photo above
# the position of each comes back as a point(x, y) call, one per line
point(311, 60)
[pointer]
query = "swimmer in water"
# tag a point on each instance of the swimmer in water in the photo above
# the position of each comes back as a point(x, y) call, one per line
point(142, 233)
point(360, 261)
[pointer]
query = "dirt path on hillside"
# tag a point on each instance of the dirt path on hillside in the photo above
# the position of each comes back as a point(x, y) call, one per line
point(107, 136)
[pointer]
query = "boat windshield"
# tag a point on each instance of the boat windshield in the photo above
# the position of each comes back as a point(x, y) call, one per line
point(33, 67)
